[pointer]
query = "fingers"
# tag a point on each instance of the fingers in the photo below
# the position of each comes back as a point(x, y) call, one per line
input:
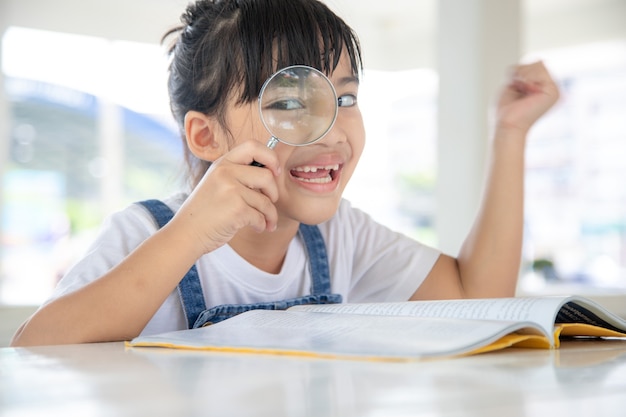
point(530, 92)
point(261, 211)
point(533, 78)
point(233, 195)
point(535, 70)
point(253, 177)
point(253, 151)
point(233, 175)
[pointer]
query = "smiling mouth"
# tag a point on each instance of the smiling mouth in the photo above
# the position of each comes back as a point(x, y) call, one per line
point(316, 174)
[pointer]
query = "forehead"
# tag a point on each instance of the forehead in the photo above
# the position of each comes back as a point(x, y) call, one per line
point(343, 73)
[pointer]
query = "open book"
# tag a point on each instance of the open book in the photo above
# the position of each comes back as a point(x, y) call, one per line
point(408, 330)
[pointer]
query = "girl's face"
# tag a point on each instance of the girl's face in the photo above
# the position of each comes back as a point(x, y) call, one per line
point(314, 176)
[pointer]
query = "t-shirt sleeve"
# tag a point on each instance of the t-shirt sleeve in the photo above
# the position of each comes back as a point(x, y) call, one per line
point(119, 235)
point(373, 263)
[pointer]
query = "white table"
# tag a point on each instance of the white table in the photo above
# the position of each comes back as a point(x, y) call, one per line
point(583, 378)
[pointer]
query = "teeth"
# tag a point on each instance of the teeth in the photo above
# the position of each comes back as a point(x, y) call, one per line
point(323, 180)
point(309, 168)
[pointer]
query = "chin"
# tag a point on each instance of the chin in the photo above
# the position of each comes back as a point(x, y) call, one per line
point(315, 212)
point(318, 219)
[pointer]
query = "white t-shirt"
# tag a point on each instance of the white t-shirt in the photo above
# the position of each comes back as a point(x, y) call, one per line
point(368, 262)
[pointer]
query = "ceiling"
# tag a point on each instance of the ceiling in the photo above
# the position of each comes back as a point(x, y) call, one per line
point(395, 34)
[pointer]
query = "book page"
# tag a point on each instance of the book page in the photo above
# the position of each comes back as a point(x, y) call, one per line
point(539, 310)
point(587, 312)
point(344, 335)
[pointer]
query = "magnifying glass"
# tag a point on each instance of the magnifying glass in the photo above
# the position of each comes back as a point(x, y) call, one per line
point(298, 106)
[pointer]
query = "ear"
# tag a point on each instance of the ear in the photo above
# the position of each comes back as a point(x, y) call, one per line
point(203, 137)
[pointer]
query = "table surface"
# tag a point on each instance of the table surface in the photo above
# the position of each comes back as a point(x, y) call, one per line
point(584, 377)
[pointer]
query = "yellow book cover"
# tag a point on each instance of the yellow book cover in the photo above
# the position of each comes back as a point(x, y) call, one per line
point(411, 330)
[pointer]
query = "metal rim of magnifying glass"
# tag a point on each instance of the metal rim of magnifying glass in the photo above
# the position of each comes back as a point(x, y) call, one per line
point(274, 140)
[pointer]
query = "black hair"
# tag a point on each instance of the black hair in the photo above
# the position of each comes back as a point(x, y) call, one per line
point(227, 47)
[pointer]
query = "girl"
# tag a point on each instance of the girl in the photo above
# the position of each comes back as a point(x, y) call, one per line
point(248, 237)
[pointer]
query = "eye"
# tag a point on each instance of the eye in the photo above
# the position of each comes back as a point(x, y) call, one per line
point(285, 104)
point(347, 100)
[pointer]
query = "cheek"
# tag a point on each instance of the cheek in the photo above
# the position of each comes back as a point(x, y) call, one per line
point(283, 152)
point(260, 132)
point(357, 135)
point(245, 124)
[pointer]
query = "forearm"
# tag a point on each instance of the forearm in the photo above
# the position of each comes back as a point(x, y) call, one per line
point(489, 259)
point(118, 305)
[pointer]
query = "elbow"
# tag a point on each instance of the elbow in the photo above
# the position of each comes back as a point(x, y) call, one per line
point(17, 340)
point(29, 334)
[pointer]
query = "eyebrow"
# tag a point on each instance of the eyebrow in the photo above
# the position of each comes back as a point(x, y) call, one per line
point(348, 80)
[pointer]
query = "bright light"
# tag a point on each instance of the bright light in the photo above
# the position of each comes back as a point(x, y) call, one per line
point(133, 75)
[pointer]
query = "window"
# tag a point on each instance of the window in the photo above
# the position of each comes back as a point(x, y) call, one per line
point(90, 132)
point(576, 196)
point(395, 179)
point(89, 135)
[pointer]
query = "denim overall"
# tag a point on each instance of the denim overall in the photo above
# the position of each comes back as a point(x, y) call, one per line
point(190, 289)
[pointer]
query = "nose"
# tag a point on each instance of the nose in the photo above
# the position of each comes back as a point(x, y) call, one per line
point(336, 134)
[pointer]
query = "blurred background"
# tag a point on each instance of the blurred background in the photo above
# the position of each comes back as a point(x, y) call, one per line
point(85, 128)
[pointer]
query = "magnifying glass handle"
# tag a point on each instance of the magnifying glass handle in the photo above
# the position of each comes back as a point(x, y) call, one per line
point(271, 143)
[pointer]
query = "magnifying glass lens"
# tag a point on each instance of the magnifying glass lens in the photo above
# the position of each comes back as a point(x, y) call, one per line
point(298, 105)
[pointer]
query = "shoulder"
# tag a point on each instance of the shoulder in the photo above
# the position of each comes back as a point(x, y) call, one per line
point(120, 233)
point(136, 218)
point(139, 209)
point(380, 264)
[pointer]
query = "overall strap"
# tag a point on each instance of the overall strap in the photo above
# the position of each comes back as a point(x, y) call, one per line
point(318, 258)
point(320, 284)
point(189, 288)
